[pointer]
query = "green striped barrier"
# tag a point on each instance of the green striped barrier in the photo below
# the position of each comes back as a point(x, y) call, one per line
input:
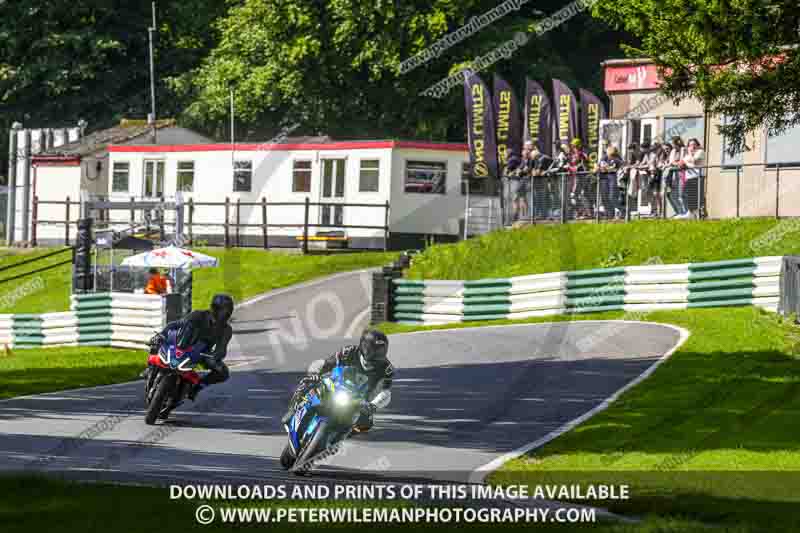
point(753, 281)
point(102, 319)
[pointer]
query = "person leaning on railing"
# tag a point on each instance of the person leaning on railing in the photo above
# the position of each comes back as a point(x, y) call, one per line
point(662, 173)
point(519, 171)
point(608, 166)
point(543, 185)
point(692, 165)
point(627, 178)
point(559, 166)
point(578, 165)
point(674, 181)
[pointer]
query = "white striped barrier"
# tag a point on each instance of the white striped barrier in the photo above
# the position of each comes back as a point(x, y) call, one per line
point(754, 281)
point(102, 319)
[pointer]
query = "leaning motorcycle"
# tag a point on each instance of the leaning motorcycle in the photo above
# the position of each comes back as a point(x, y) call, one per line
point(324, 418)
point(170, 378)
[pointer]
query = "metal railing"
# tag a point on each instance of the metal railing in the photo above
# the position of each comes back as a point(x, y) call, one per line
point(634, 193)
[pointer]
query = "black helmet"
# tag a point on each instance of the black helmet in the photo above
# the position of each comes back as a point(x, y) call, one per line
point(221, 308)
point(373, 347)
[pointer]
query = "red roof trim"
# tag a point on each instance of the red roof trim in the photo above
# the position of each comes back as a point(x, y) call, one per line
point(343, 145)
point(422, 145)
point(56, 161)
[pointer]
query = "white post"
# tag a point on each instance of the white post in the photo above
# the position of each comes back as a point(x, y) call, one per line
point(466, 214)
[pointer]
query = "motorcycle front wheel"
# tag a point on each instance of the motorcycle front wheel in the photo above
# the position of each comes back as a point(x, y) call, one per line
point(287, 457)
point(165, 386)
point(311, 449)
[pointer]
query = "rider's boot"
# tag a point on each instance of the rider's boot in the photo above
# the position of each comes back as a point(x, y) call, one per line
point(194, 390)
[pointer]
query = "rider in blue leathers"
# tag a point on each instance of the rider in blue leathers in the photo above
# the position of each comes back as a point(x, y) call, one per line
point(368, 357)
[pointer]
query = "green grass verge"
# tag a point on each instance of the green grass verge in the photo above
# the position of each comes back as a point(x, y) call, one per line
point(50, 290)
point(712, 435)
point(38, 370)
point(36, 504)
point(553, 248)
point(242, 272)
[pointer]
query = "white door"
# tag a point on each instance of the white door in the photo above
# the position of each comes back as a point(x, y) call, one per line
point(613, 133)
point(332, 194)
point(153, 179)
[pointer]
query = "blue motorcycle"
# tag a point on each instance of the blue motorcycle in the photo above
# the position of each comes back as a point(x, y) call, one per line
point(324, 418)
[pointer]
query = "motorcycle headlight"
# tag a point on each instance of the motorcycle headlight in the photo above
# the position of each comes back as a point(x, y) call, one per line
point(341, 399)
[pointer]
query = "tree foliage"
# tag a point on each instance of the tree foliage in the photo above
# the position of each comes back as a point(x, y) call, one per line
point(739, 57)
point(332, 66)
point(65, 60)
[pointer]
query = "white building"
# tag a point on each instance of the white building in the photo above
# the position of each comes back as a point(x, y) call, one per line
point(421, 181)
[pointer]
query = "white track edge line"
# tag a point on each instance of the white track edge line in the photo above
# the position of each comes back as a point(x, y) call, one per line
point(480, 473)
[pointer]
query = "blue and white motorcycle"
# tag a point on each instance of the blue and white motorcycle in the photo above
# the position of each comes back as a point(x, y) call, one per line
point(324, 418)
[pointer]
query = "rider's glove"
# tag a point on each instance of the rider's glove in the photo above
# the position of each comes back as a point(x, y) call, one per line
point(312, 379)
point(368, 408)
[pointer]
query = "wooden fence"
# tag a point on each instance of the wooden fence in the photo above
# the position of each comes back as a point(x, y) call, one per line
point(231, 225)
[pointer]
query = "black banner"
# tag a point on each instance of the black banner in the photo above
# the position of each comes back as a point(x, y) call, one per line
point(538, 117)
point(480, 128)
point(567, 118)
point(509, 125)
point(592, 112)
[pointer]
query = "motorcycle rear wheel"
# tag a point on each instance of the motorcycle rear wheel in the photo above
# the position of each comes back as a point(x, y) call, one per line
point(166, 385)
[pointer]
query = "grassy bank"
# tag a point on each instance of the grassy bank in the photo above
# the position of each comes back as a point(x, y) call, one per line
point(552, 248)
point(37, 370)
point(711, 435)
point(48, 291)
point(242, 272)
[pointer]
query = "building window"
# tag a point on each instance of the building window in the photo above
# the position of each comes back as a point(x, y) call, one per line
point(368, 177)
point(121, 175)
point(730, 161)
point(477, 186)
point(428, 177)
point(186, 176)
point(301, 176)
point(242, 176)
point(686, 128)
point(782, 149)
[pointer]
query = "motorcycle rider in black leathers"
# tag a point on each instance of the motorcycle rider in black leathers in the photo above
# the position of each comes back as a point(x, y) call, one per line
point(206, 331)
point(370, 358)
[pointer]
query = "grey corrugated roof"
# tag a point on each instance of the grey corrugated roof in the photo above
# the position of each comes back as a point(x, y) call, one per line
point(129, 132)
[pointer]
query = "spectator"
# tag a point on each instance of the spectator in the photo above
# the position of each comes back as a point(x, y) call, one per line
point(662, 172)
point(629, 178)
point(580, 183)
point(653, 178)
point(692, 165)
point(560, 162)
point(157, 284)
point(674, 176)
point(543, 185)
point(521, 176)
point(608, 167)
point(559, 165)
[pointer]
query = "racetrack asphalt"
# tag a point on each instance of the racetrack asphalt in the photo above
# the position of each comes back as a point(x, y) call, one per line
point(461, 398)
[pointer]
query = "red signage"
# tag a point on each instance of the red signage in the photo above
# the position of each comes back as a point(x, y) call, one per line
point(631, 78)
